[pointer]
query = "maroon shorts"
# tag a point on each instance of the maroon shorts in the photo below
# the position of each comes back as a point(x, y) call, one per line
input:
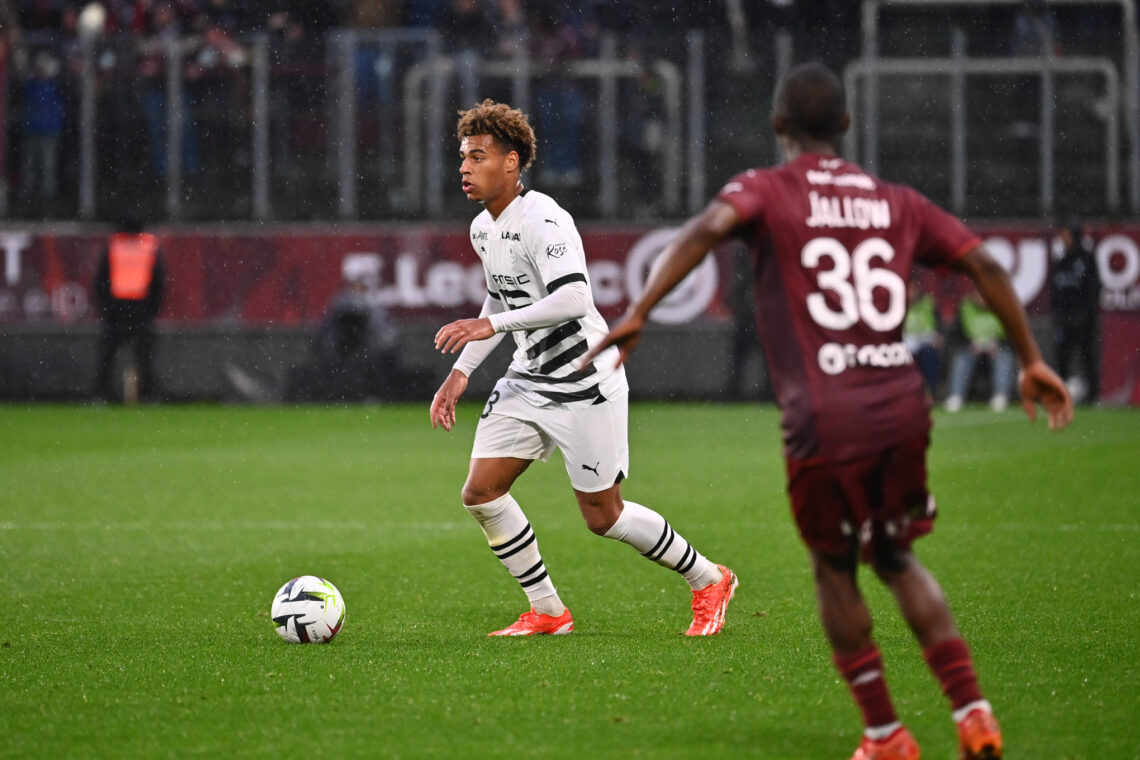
point(872, 504)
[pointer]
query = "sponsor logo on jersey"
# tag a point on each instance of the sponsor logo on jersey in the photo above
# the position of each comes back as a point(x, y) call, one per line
point(834, 358)
point(480, 235)
point(556, 250)
point(507, 235)
point(861, 181)
point(507, 279)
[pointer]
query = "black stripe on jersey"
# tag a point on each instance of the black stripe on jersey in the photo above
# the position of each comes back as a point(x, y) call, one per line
point(554, 285)
point(515, 294)
point(573, 377)
point(556, 336)
point(591, 393)
point(658, 550)
point(564, 358)
point(493, 294)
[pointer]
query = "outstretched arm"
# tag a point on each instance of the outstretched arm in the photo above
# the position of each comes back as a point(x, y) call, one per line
point(697, 237)
point(1037, 382)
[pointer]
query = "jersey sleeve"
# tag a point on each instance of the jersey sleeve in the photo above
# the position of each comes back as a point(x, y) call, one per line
point(942, 237)
point(556, 251)
point(744, 193)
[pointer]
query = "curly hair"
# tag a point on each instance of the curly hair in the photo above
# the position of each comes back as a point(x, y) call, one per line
point(508, 126)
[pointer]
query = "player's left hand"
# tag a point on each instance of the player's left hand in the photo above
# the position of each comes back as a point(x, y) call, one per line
point(1040, 384)
point(454, 336)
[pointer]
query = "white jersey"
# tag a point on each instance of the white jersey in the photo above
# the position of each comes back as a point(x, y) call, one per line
point(528, 252)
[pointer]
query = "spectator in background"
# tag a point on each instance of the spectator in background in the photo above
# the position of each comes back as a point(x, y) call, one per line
point(641, 130)
point(129, 283)
point(467, 35)
point(509, 26)
point(355, 352)
point(44, 110)
point(1035, 30)
point(922, 333)
point(165, 27)
point(1074, 299)
point(561, 104)
point(39, 15)
point(984, 336)
point(424, 13)
point(1034, 34)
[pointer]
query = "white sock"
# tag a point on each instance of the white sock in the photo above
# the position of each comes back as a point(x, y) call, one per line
point(651, 534)
point(514, 543)
point(881, 733)
point(961, 713)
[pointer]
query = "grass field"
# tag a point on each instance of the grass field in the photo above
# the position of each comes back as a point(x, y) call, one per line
point(140, 549)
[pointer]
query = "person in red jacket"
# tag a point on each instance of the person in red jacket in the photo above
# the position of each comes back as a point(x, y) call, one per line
point(128, 294)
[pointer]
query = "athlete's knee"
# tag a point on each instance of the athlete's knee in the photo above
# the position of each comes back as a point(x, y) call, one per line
point(600, 510)
point(476, 492)
point(889, 562)
point(829, 568)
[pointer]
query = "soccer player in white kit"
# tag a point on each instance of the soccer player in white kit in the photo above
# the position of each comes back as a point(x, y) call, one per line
point(538, 289)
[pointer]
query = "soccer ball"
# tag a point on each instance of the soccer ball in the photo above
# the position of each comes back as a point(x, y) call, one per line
point(308, 610)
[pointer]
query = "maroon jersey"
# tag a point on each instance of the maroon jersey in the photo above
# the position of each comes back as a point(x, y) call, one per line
point(833, 249)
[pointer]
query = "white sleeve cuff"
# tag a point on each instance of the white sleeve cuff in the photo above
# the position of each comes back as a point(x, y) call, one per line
point(476, 351)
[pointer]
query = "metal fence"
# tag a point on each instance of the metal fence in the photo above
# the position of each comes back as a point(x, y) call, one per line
point(359, 125)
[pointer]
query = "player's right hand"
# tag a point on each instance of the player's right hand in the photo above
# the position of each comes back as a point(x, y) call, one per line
point(1041, 385)
point(625, 335)
point(445, 399)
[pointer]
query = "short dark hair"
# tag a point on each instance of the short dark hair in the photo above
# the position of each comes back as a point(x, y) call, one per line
point(508, 126)
point(812, 101)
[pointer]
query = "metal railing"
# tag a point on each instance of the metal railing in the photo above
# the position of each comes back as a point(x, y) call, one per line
point(423, 116)
point(957, 69)
point(872, 65)
point(347, 167)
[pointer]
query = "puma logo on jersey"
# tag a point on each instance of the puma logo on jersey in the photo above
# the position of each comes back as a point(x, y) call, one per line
point(593, 469)
point(551, 221)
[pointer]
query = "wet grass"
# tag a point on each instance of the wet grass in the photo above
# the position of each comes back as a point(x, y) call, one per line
point(140, 549)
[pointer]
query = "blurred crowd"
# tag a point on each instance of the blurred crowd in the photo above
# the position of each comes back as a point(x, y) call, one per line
point(133, 39)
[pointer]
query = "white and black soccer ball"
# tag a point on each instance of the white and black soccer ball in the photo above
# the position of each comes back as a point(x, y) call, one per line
point(308, 610)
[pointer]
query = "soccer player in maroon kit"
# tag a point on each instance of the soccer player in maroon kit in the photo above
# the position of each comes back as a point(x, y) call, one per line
point(832, 251)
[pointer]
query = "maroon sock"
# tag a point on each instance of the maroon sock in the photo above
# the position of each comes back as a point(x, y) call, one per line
point(951, 664)
point(863, 672)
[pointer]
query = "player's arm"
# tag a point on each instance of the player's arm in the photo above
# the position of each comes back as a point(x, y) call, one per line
point(570, 301)
point(473, 354)
point(699, 235)
point(1037, 382)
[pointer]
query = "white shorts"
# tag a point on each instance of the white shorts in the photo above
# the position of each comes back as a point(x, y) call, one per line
point(593, 438)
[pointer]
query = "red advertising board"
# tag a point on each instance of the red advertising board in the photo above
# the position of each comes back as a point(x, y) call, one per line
point(288, 277)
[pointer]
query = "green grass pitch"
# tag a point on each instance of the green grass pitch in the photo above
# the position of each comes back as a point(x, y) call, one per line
point(140, 550)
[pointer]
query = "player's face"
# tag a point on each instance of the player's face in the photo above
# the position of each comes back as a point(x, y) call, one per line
point(486, 169)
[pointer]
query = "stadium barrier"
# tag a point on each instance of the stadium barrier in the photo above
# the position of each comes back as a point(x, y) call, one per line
point(249, 298)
